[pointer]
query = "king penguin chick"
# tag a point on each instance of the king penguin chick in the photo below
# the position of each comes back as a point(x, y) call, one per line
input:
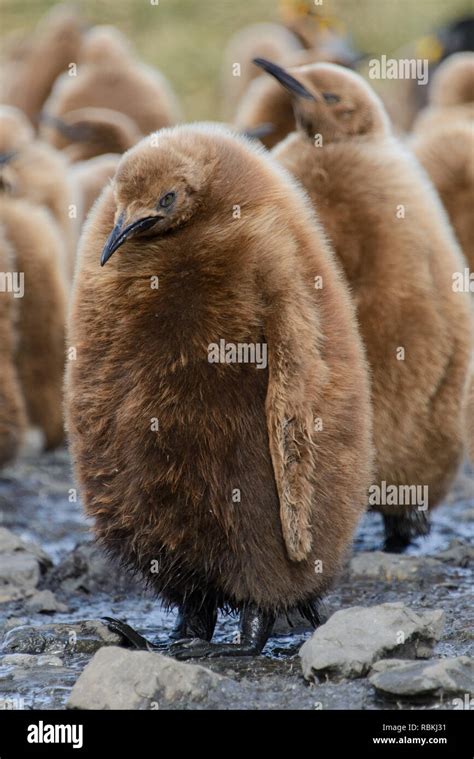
point(398, 252)
point(40, 322)
point(451, 97)
point(109, 76)
point(265, 102)
point(266, 39)
point(227, 480)
point(12, 409)
point(28, 77)
point(91, 132)
point(444, 144)
point(32, 169)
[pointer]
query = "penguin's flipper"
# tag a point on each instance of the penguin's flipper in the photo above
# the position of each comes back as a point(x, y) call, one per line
point(297, 373)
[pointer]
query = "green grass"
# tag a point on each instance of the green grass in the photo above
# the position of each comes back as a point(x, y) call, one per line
point(186, 38)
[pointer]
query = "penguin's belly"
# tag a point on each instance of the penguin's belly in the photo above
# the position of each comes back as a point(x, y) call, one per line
point(185, 490)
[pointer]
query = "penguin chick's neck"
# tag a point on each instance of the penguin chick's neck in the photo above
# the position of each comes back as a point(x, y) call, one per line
point(184, 300)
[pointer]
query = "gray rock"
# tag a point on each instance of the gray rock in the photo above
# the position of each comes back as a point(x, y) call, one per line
point(467, 516)
point(9, 542)
point(12, 622)
point(45, 602)
point(19, 574)
point(352, 639)
point(391, 567)
point(21, 566)
point(88, 569)
point(435, 677)
point(459, 553)
point(121, 679)
point(81, 637)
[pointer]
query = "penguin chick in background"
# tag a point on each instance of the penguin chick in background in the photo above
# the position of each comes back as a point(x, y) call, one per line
point(399, 255)
point(40, 322)
point(264, 102)
point(451, 96)
point(32, 169)
point(444, 144)
point(28, 75)
point(12, 410)
point(270, 40)
point(229, 482)
point(91, 132)
point(109, 76)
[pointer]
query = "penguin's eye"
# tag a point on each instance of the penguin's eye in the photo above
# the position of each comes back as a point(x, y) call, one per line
point(330, 97)
point(167, 200)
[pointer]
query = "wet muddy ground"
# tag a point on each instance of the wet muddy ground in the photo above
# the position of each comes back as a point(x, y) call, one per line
point(37, 503)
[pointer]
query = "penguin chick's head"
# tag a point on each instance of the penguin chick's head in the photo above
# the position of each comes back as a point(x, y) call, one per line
point(159, 185)
point(331, 101)
point(453, 81)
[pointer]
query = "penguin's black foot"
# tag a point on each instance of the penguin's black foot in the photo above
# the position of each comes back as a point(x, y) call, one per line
point(131, 638)
point(401, 530)
point(195, 648)
point(255, 628)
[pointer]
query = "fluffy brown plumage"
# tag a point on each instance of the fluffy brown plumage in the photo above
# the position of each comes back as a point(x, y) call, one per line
point(38, 331)
point(399, 255)
point(12, 409)
point(444, 144)
point(451, 96)
point(109, 76)
point(31, 169)
point(142, 354)
point(30, 73)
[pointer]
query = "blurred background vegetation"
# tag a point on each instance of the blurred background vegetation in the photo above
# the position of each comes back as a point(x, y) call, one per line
point(186, 38)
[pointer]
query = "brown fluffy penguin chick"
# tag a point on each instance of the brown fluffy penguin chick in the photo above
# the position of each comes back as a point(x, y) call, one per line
point(451, 97)
point(91, 132)
point(266, 39)
point(265, 102)
point(444, 144)
point(109, 76)
point(12, 409)
point(224, 482)
point(28, 78)
point(397, 249)
point(447, 155)
point(32, 169)
point(40, 345)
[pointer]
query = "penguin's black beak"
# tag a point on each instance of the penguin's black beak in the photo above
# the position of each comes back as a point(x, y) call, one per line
point(72, 132)
point(121, 234)
point(286, 80)
point(259, 131)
